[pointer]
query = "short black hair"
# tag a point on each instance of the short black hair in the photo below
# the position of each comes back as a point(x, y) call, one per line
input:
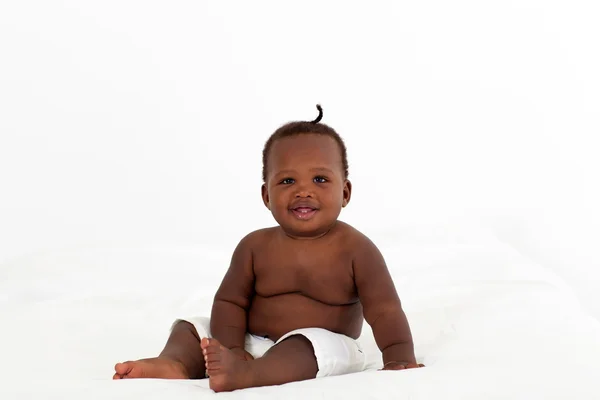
point(303, 128)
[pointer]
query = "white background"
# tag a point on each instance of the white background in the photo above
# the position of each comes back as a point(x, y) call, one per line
point(127, 122)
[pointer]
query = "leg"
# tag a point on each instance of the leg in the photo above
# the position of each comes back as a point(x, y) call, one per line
point(180, 359)
point(289, 361)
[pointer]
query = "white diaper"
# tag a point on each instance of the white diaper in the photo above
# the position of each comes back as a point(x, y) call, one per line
point(336, 354)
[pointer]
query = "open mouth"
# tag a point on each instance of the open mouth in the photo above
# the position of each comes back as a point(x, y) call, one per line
point(304, 213)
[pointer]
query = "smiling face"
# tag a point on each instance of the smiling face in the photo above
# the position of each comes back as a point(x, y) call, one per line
point(305, 187)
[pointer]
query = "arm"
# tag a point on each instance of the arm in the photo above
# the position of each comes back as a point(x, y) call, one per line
point(228, 322)
point(381, 305)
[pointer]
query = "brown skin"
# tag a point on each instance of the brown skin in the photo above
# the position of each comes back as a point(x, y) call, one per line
point(329, 273)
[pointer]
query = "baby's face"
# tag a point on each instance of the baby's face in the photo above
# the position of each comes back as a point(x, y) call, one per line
point(306, 188)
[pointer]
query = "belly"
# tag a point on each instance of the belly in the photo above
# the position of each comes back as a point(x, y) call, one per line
point(275, 316)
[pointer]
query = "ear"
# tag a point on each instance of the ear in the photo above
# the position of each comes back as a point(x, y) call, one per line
point(347, 193)
point(265, 195)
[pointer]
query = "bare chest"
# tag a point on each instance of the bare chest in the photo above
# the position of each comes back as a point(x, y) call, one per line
point(325, 275)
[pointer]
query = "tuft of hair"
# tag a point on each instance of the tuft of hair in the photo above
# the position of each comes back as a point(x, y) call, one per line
point(302, 128)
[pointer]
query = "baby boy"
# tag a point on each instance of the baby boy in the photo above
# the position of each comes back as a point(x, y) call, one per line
point(293, 300)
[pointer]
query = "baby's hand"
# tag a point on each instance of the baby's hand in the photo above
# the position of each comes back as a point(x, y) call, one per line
point(396, 365)
point(243, 354)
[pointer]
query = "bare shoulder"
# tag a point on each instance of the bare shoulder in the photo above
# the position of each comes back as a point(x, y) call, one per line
point(366, 256)
point(257, 238)
point(355, 239)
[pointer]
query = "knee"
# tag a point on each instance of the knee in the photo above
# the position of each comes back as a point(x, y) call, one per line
point(299, 344)
point(302, 350)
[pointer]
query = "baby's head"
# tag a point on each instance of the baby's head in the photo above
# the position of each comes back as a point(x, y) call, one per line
point(305, 175)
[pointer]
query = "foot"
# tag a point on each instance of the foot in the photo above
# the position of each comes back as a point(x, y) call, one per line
point(226, 370)
point(162, 368)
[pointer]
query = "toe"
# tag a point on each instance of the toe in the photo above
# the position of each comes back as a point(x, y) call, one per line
point(204, 342)
point(212, 342)
point(211, 350)
point(212, 357)
point(123, 368)
point(213, 367)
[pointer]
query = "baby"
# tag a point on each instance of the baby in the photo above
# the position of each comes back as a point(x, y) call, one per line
point(292, 303)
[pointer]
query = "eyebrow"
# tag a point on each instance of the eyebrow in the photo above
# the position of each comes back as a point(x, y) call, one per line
point(284, 172)
point(290, 171)
point(322, 169)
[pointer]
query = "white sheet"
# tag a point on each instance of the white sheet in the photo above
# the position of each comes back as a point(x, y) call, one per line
point(487, 322)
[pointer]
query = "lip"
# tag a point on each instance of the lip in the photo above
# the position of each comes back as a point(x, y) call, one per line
point(304, 213)
point(304, 204)
point(304, 210)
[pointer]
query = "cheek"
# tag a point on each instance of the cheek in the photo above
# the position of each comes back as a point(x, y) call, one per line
point(277, 198)
point(333, 197)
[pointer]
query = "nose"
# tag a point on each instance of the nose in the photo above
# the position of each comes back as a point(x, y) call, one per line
point(304, 191)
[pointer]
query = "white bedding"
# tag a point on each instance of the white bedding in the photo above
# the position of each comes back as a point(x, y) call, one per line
point(487, 322)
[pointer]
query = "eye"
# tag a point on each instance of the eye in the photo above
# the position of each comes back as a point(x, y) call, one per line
point(287, 181)
point(319, 179)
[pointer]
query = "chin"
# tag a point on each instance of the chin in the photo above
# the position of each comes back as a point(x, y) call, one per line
point(305, 228)
point(315, 226)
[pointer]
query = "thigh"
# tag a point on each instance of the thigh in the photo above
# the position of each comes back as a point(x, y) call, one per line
point(291, 359)
point(336, 354)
